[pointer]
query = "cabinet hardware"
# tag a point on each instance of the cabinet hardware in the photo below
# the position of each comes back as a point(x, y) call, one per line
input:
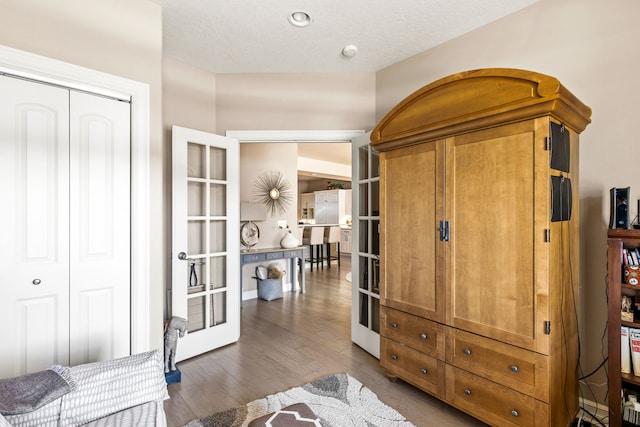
point(547, 327)
point(36, 281)
point(444, 231)
point(394, 357)
point(467, 352)
point(394, 325)
point(467, 392)
point(515, 413)
point(424, 372)
point(423, 336)
point(547, 235)
point(514, 368)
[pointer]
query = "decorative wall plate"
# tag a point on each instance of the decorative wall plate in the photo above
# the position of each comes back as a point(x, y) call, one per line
point(249, 234)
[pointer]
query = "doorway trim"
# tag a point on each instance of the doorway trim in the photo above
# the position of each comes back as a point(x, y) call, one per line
point(47, 70)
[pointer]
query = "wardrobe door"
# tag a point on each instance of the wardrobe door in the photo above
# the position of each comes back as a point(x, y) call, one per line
point(412, 248)
point(34, 225)
point(497, 202)
point(100, 228)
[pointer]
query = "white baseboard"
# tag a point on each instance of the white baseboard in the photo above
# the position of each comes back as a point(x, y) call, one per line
point(599, 410)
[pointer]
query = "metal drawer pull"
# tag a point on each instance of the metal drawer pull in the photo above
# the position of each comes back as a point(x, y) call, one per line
point(424, 372)
point(514, 413)
point(467, 352)
point(467, 392)
point(514, 368)
point(394, 325)
point(36, 281)
point(423, 336)
point(394, 357)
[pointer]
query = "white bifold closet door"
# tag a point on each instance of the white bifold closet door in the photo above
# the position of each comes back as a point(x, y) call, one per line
point(65, 227)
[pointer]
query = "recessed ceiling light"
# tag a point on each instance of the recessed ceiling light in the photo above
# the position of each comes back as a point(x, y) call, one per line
point(350, 50)
point(300, 19)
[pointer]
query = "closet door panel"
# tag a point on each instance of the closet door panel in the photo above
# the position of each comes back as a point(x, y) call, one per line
point(34, 225)
point(100, 235)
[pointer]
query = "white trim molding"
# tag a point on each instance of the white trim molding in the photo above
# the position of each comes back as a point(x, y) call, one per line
point(47, 70)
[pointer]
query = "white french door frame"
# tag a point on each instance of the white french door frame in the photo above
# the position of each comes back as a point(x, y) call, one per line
point(39, 68)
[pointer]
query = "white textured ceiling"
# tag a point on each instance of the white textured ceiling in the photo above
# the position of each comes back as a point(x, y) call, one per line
point(254, 36)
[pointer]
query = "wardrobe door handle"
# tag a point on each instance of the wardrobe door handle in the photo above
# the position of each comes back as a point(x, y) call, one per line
point(36, 281)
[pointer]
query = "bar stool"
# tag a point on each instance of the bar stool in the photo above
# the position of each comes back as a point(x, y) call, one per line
point(315, 240)
point(332, 236)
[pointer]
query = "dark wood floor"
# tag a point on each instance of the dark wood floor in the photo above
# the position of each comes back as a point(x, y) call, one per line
point(289, 342)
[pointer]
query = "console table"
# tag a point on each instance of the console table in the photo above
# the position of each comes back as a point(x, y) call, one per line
point(270, 254)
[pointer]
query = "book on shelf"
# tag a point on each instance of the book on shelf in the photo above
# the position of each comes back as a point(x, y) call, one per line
point(634, 340)
point(625, 351)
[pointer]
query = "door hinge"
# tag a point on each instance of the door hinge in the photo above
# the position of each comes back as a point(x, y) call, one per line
point(444, 231)
point(547, 327)
point(547, 143)
point(547, 235)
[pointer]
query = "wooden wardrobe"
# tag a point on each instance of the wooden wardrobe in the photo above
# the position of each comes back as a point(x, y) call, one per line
point(479, 244)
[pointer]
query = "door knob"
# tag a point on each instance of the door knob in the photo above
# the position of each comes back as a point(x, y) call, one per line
point(182, 256)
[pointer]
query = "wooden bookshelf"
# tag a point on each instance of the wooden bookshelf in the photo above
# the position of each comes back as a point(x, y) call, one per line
point(618, 240)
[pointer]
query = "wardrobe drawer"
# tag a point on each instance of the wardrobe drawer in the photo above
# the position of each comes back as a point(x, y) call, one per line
point(514, 367)
point(421, 334)
point(493, 403)
point(421, 370)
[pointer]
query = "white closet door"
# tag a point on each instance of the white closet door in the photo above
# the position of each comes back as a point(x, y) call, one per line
point(100, 228)
point(34, 225)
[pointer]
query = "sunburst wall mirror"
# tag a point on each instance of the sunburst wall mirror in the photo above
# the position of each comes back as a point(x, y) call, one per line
point(274, 190)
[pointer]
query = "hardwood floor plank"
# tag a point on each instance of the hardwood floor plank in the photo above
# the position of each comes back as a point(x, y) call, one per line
point(287, 342)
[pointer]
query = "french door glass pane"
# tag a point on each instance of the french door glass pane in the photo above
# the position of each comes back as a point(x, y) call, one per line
point(217, 272)
point(363, 280)
point(364, 310)
point(375, 165)
point(363, 158)
point(196, 164)
point(218, 164)
point(363, 201)
point(375, 315)
point(196, 237)
point(196, 313)
point(218, 309)
point(196, 198)
point(218, 199)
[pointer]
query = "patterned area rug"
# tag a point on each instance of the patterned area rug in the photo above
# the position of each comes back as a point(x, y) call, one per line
point(338, 400)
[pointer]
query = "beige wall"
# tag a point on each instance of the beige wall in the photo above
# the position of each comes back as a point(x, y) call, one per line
point(255, 160)
point(295, 101)
point(590, 46)
point(119, 37)
point(188, 100)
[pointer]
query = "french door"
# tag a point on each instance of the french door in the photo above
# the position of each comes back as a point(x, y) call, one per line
point(365, 252)
point(205, 239)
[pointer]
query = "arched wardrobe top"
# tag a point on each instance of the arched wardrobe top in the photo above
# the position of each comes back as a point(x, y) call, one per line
point(478, 99)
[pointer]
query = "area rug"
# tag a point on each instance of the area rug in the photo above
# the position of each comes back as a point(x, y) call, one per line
point(337, 400)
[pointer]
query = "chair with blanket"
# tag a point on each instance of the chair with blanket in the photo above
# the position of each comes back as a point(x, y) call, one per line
point(123, 392)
